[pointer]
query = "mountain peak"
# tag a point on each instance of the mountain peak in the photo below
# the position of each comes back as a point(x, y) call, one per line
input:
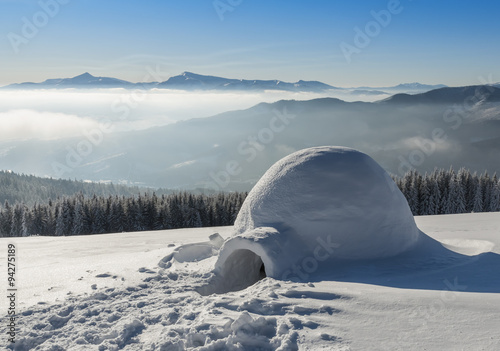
point(85, 75)
point(190, 74)
point(417, 85)
point(413, 84)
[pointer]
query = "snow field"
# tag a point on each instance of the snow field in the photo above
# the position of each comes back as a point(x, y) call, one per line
point(412, 307)
point(165, 313)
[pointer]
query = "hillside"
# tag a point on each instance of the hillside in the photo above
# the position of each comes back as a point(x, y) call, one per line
point(442, 128)
point(29, 189)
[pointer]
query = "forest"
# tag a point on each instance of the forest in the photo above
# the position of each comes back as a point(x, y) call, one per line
point(29, 189)
point(448, 192)
point(82, 213)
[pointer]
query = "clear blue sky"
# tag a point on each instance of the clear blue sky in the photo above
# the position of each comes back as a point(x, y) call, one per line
point(450, 42)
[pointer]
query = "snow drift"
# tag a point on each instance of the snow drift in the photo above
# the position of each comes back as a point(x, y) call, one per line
point(312, 209)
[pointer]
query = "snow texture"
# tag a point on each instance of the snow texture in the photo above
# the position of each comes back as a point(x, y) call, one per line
point(313, 208)
point(429, 298)
point(194, 252)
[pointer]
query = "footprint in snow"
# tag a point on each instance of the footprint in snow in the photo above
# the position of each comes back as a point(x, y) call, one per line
point(146, 270)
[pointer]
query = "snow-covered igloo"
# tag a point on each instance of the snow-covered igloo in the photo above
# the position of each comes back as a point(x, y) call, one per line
point(311, 209)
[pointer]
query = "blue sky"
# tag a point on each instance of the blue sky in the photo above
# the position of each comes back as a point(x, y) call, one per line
point(450, 42)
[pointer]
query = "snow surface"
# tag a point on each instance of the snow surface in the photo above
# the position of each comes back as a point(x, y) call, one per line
point(449, 302)
point(318, 206)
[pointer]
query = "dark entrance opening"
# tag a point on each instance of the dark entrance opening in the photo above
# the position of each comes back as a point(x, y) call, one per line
point(242, 268)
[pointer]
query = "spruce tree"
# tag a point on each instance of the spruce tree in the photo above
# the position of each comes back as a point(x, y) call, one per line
point(6, 220)
point(495, 195)
point(17, 220)
point(478, 198)
point(457, 196)
point(27, 223)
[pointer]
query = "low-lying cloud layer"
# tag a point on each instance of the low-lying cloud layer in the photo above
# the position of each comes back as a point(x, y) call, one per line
point(58, 114)
point(31, 124)
point(232, 150)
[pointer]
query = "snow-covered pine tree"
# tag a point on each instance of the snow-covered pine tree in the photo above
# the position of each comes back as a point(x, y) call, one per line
point(434, 197)
point(175, 212)
point(478, 197)
point(443, 180)
point(28, 216)
point(456, 196)
point(5, 220)
point(201, 207)
point(116, 218)
point(39, 220)
point(79, 220)
point(17, 220)
point(495, 195)
point(59, 221)
point(485, 183)
point(52, 213)
point(410, 192)
point(472, 186)
point(424, 196)
point(64, 221)
point(417, 192)
point(99, 218)
point(149, 214)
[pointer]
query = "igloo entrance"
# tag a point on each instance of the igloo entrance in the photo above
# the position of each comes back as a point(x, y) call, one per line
point(241, 269)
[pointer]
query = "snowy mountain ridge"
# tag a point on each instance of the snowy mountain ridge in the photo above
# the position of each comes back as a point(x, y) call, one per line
point(470, 94)
point(184, 81)
point(415, 86)
point(193, 81)
point(85, 80)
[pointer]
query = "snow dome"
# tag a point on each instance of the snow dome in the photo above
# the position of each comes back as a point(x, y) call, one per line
point(311, 209)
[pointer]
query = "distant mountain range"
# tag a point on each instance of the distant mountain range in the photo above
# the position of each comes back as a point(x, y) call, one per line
point(193, 81)
point(85, 80)
point(417, 87)
point(454, 95)
point(184, 81)
point(439, 128)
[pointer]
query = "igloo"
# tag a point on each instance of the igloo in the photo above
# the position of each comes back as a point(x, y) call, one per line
point(312, 209)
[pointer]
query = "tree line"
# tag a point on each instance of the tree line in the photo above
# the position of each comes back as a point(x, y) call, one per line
point(447, 192)
point(80, 215)
point(440, 192)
